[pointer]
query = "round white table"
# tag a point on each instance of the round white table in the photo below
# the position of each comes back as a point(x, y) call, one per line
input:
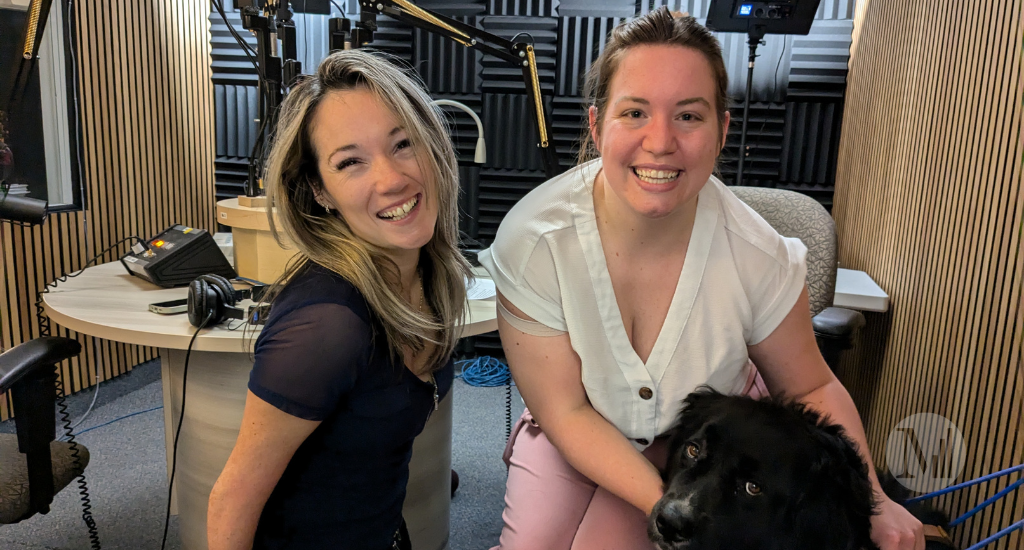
point(106, 302)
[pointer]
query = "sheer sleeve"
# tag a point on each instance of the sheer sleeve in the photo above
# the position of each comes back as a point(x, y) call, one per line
point(309, 358)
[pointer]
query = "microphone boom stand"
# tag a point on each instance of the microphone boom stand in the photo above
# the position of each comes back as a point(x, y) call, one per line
point(276, 74)
point(517, 52)
point(754, 37)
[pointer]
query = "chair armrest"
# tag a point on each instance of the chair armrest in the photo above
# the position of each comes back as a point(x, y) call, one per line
point(837, 323)
point(23, 359)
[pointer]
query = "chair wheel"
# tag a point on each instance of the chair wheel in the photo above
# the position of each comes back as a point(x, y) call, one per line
point(455, 482)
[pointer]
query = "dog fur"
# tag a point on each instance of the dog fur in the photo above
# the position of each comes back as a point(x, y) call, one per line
point(812, 487)
point(746, 474)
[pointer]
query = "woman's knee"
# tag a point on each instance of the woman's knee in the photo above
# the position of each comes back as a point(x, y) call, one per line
point(545, 497)
point(613, 524)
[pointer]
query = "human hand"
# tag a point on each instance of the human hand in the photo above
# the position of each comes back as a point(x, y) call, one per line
point(894, 528)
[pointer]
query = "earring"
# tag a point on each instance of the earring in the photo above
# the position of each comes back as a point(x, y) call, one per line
point(320, 200)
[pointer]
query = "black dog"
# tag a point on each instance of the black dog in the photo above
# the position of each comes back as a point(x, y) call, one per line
point(761, 475)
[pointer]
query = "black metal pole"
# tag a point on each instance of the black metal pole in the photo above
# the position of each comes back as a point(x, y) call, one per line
point(754, 36)
point(271, 94)
point(469, 199)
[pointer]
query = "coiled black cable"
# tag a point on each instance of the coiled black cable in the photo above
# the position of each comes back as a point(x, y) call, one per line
point(62, 407)
point(508, 408)
point(488, 372)
point(83, 488)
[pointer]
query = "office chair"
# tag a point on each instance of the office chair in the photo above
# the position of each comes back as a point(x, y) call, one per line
point(34, 467)
point(795, 215)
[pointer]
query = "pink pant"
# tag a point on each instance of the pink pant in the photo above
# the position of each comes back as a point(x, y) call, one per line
point(551, 506)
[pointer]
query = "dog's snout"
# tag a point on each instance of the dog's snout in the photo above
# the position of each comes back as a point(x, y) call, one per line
point(675, 522)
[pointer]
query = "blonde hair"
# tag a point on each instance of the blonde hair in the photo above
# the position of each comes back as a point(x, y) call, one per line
point(292, 181)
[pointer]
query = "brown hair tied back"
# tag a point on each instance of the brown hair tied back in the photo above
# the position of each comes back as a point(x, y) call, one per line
point(659, 27)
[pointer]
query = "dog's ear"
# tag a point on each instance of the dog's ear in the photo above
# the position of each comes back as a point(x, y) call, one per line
point(698, 408)
point(836, 511)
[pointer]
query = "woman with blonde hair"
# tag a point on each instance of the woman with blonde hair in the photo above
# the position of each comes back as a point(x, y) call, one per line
point(356, 352)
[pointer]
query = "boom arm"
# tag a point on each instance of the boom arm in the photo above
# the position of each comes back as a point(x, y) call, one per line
point(517, 52)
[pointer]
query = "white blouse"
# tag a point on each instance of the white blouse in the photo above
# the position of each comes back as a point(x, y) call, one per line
point(739, 280)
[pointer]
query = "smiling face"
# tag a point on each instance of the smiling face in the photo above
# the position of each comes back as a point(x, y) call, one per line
point(659, 135)
point(370, 173)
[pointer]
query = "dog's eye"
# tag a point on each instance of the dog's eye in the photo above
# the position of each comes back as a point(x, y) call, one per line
point(692, 450)
point(753, 489)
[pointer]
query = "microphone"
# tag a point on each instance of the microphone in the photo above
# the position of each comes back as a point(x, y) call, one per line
point(22, 209)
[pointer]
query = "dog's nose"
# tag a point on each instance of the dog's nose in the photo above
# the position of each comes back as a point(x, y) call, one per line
point(675, 523)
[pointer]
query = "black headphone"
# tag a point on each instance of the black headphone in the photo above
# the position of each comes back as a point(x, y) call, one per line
point(212, 297)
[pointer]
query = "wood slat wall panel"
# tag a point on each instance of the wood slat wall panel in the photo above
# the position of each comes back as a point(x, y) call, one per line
point(929, 201)
point(146, 113)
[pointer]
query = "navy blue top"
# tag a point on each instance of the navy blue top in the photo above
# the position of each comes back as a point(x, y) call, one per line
point(319, 358)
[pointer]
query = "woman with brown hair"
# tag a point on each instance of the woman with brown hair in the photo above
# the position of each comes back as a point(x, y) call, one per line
point(631, 280)
point(356, 352)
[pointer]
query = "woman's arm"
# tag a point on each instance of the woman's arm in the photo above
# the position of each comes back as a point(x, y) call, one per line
point(548, 374)
point(790, 363)
point(266, 442)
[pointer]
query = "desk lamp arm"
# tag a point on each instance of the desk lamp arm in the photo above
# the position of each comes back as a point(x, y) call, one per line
point(481, 146)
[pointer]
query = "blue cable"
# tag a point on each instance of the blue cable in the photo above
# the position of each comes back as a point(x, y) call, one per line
point(951, 488)
point(1010, 488)
point(120, 418)
point(1013, 527)
point(484, 371)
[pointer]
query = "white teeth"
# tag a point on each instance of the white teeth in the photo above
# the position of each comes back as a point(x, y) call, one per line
point(656, 176)
point(399, 212)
